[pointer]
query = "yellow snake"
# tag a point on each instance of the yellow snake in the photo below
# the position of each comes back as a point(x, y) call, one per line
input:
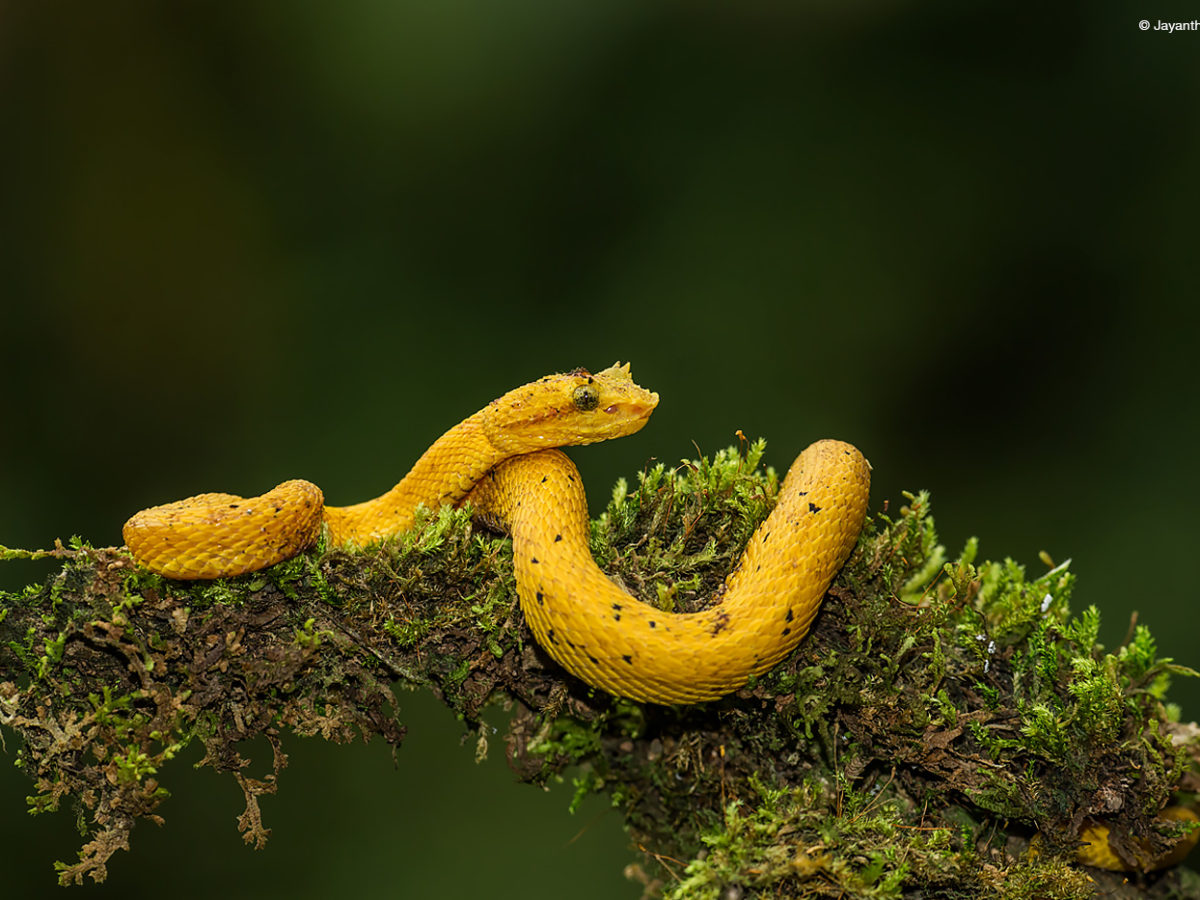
point(502, 460)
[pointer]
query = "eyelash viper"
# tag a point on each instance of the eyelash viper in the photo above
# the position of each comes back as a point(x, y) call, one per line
point(501, 460)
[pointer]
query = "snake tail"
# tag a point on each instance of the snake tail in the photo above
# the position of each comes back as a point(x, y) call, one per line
point(613, 641)
point(216, 535)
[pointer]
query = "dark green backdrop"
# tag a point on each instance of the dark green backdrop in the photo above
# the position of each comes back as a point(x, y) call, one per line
point(253, 241)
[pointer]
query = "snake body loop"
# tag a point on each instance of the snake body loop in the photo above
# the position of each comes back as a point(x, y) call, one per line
point(613, 641)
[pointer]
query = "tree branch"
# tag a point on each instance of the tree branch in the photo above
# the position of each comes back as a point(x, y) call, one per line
point(936, 717)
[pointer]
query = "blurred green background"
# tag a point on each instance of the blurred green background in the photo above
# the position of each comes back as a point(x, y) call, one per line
point(246, 242)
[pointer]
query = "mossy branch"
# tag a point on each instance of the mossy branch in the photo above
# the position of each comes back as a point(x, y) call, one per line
point(939, 714)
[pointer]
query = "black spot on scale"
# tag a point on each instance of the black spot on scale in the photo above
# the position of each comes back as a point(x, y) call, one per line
point(653, 624)
point(618, 607)
point(801, 493)
point(593, 660)
point(787, 631)
point(788, 619)
point(569, 644)
point(627, 658)
point(722, 621)
point(557, 538)
point(540, 599)
point(534, 560)
point(813, 508)
point(544, 477)
point(553, 639)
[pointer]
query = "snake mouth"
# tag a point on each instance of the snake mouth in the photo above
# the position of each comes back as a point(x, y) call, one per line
point(633, 409)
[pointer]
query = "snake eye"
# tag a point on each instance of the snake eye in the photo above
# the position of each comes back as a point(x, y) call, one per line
point(585, 397)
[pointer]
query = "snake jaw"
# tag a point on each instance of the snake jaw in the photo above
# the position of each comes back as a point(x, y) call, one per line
point(636, 412)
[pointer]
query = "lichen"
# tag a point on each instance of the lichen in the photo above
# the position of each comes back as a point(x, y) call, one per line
point(940, 713)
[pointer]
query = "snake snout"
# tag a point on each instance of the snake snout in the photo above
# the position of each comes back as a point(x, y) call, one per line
point(634, 407)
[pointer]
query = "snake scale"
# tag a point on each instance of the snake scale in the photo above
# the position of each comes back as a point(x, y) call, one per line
point(503, 461)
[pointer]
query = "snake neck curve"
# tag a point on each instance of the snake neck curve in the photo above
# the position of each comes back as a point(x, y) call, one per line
point(444, 474)
point(571, 408)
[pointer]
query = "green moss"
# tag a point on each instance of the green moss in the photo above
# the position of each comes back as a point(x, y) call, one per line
point(308, 637)
point(863, 848)
point(407, 633)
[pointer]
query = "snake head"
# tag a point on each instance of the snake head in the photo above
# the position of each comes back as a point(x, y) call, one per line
point(569, 408)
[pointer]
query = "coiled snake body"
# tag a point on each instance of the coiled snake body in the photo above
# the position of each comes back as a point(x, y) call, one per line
point(502, 459)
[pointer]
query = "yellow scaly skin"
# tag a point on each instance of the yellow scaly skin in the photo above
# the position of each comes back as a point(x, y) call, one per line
point(628, 648)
